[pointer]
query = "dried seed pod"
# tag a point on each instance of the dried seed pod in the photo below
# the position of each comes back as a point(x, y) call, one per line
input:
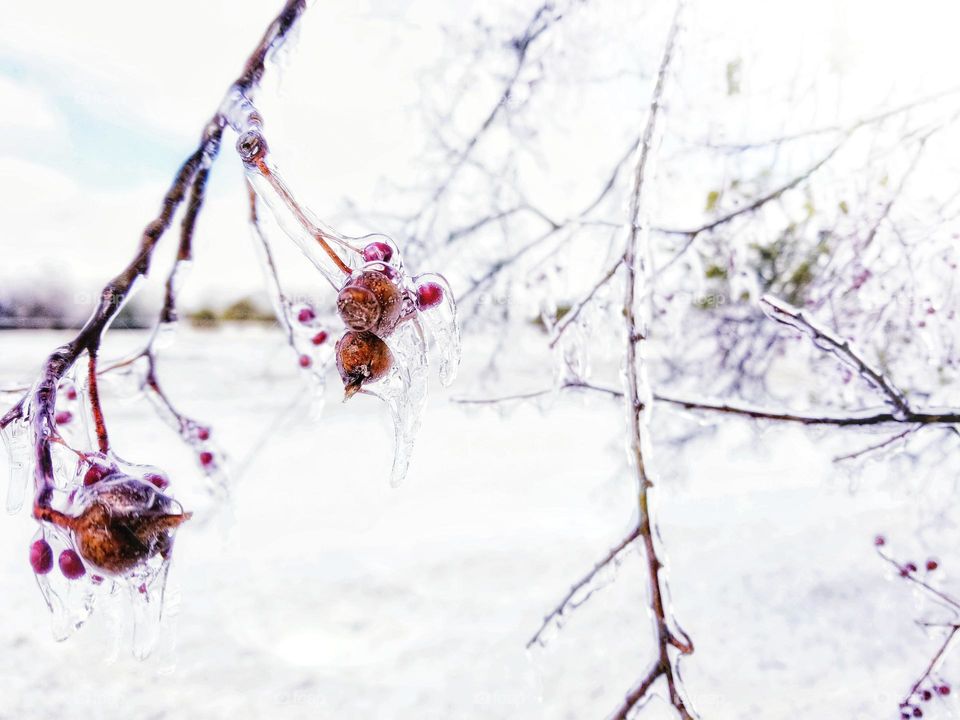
point(362, 357)
point(370, 301)
point(125, 522)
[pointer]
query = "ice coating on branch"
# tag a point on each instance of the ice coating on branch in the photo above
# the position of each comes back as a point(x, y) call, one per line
point(441, 324)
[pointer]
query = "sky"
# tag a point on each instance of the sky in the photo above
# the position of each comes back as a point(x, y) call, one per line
point(100, 101)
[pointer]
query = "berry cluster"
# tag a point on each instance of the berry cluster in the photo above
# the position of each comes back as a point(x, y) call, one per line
point(372, 303)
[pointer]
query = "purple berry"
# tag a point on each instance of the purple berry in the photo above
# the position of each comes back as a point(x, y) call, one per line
point(206, 458)
point(910, 567)
point(879, 541)
point(306, 315)
point(925, 695)
point(320, 338)
point(377, 251)
point(41, 557)
point(203, 433)
point(71, 565)
point(943, 690)
point(63, 417)
point(157, 480)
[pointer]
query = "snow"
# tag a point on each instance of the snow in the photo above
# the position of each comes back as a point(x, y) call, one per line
point(321, 592)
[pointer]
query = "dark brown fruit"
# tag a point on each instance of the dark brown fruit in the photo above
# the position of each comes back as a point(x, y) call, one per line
point(126, 523)
point(370, 301)
point(362, 358)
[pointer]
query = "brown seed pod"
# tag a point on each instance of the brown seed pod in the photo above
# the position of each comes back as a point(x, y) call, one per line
point(126, 523)
point(370, 301)
point(362, 357)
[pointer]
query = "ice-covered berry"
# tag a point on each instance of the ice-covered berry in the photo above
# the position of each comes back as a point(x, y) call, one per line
point(157, 480)
point(203, 433)
point(377, 251)
point(306, 315)
point(428, 295)
point(41, 557)
point(943, 690)
point(206, 458)
point(370, 301)
point(63, 417)
point(879, 541)
point(305, 361)
point(932, 565)
point(320, 338)
point(71, 565)
point(362, 357)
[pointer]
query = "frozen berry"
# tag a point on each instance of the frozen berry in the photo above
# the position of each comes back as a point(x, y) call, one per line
point(943, 690)
point(306, 315)
point(925, 695)
point(71, 565)
point(203, 433)
point(910, 567)
point(71, 393)
point(96, 473)
point(157, 480)
point(63, 417)
point(305, 361)
point(206, 458)
point(41, 557)
point(428, 295)
point(879, 541)
point(96, 579)
point(362, 357)
point(320, 338)
point(917, 712)
point(932, 565)
point(377, 251)
point(370, 301)
point(125, 524)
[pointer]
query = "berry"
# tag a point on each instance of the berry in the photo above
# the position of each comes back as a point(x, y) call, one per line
point(879, 541)
point(362, 357)
point(96, 473)
point(305, 361)
point(63, 417)
point(370, 301)
point(917, 712)
point(71, 393)
point(910, 567)
point(206, 458)
point(203, 433)
point(71, 565)
point(925, 695)
point(320, 338)
point(96, 579)
point(125, 524)
point(943, 690)
point(157, 480)
point(932, 565)
point(41, 557)
point(428, 295)
point(306, 315)
point(377, 251)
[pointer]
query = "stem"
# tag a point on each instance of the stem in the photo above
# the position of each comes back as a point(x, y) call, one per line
point(95, 407)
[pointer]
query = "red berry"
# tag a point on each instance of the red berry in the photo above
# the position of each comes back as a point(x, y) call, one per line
point(95, 474)
point(879, 541)
point(377, 251)
point(206, 458)
point(157, 480)
point(63, 417)
point(320, 338)
point(203, 433)
point(41, 557)
point(932, 565)
point(944, 690)
point(142, 588)
point(428, 295)
point(71, 565)
point(925, 695)
point(96, 579)
point(910, 567)
point(71, 393)
point(306, 315)
point(305, 361)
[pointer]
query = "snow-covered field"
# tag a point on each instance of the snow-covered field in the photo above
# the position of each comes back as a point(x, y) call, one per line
point(320, 592)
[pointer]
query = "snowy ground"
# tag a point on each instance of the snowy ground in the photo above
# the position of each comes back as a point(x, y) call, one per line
point(324, 593)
